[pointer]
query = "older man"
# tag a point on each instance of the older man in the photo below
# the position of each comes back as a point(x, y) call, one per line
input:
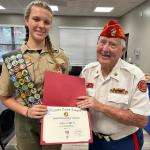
point(117, 95)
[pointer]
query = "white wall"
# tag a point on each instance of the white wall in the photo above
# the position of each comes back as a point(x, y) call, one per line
point(137, 24)
point(59, 21)
point(74, 22)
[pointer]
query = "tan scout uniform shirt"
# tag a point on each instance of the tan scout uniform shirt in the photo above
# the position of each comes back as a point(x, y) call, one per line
point(39, 64)
point(123, 76)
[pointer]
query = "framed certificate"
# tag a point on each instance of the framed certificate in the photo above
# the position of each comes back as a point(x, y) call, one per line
point(64, 125)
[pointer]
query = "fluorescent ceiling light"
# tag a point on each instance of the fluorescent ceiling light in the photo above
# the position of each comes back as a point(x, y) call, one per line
point(1, 7)
point(103, 9)
point(54, 8)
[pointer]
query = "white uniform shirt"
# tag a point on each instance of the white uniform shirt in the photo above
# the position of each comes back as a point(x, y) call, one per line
point(123, 76)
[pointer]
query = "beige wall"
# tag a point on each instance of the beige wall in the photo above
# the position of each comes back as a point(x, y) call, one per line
point(137, 24)
point(11, 19)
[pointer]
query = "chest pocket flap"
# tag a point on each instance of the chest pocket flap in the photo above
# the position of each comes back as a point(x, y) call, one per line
point(118, 98)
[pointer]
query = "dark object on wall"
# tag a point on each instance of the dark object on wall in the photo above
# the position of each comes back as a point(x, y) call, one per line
point(126, 40)
point(75, 70)
point(6, 127)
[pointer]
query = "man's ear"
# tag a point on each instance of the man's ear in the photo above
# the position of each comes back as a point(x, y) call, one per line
point(124, 50)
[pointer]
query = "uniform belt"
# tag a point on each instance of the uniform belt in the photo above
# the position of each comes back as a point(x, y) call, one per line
point(102, 136)
point(123, 133)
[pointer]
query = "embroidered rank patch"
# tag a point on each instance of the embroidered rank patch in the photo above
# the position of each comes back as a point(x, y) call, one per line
point(142, 86)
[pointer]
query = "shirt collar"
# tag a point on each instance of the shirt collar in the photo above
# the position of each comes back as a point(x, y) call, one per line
point(115, 73)
point(97, 71)
point(24, 49)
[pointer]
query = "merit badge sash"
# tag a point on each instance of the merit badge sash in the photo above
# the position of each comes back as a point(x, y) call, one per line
point(17, 67)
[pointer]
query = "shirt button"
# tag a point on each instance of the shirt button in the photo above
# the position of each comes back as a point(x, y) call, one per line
point(115, 74)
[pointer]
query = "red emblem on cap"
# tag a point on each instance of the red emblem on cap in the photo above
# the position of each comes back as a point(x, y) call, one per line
point(113, 30)
point(142, 86)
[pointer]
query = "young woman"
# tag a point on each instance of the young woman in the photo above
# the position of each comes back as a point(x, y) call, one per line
point(23, 71)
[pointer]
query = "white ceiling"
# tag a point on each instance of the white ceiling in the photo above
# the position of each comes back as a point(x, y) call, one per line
point(75, 7)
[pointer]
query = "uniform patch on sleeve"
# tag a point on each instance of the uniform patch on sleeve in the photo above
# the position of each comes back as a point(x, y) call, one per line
point(142, 86)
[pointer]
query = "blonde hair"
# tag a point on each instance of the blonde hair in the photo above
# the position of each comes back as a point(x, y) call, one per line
point(48, 43)
point(37, 3)
point(27, 13)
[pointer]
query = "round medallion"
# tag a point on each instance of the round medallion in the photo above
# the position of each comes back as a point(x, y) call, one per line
point(24, 72)
point(37, 96)
point(24, 87)
point(27, 79)
point(19, 56)
point(7, 60)
point(21, 81)
point(9, 65)
point(28, 93)
point(13, 57)
point(16, 68)
point(14, 62)
point(22, 66)
point(16, 84)
point(11, 72)
point(23, 95)
point(19, 75)
point(20, 61)
point(33, 90)
point(31, 99)
point(13, 78)
point(30, 85)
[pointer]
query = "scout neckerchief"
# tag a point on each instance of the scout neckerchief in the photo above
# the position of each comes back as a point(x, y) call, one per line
point(17, 67)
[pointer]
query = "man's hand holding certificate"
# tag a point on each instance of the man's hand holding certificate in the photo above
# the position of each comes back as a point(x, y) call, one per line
point(64, 122)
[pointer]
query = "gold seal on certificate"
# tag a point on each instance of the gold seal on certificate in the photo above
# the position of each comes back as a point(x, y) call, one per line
point(65, 125)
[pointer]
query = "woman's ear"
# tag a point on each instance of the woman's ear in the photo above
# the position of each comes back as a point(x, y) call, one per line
point(26, 22)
